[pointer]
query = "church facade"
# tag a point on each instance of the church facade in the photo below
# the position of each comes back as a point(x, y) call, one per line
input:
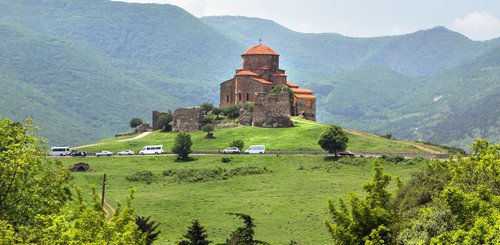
point(260, 73)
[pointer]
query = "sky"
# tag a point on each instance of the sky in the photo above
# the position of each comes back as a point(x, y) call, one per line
point(476, 19)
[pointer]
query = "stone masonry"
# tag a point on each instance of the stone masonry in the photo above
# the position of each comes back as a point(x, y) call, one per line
point(187, 119)
point(272, 110)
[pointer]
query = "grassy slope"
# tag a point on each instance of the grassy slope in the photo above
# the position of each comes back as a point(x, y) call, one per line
point(288, 203)
point(302, 137)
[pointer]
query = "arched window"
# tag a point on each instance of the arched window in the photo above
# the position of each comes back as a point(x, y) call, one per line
point(239, 96)
point(248, 97)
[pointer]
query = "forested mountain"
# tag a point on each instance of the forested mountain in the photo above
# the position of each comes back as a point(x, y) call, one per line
point(83, 69)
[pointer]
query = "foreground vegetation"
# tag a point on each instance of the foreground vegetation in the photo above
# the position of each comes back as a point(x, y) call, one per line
point(302, 137)
point(286, 195)
point(280, 199)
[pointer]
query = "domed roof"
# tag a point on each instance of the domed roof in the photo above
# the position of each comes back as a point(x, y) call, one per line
point(260, 49)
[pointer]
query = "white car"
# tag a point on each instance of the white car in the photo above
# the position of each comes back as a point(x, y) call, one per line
point(231, 150)
point(104, 153)
point(125, 152)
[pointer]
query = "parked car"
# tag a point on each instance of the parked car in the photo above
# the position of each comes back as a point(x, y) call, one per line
point(346, 153)
point(125, 152)
point(256, 149)
point(231, 150)
point(104, 153)
point(78, 154)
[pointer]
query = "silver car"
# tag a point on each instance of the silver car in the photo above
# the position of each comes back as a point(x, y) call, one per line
point(104, 153)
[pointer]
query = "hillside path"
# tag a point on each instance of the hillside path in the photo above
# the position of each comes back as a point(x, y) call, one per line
point(136, 137)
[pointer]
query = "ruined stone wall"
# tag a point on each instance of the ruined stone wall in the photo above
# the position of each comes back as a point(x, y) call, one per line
point(306, 109)
point(272, 110)
point(187, 119)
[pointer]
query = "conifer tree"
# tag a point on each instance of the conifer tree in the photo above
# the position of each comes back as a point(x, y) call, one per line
point(195, 235)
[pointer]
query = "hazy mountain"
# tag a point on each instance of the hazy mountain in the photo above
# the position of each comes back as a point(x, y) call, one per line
point(83, 69)
point(106, 62)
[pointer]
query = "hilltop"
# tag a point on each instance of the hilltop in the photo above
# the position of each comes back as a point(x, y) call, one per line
point(303, 137)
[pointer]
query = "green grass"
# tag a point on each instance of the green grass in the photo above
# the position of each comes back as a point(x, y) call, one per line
point(289, 203)
point(302, 137)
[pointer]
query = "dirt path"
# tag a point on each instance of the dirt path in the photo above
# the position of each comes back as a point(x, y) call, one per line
point(108, 209)
point(136, 137)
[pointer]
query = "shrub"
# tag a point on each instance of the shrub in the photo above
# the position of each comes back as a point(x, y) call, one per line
point(225, 159)
point(237, 143)
point(247, 170)
point(142, 176)
point(182, 146)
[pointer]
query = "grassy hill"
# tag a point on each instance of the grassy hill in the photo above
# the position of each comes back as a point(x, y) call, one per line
point(302, 137)
point(288, 199)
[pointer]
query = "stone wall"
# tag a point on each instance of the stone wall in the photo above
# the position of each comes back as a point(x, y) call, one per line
point(272, 110)
point(187, 119)
point(306, 109)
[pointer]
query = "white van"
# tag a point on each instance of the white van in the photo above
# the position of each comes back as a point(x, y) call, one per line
point(152, 149)
point(256, 149)
point(59, 151)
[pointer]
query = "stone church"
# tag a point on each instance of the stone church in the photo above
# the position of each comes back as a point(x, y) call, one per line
point(259, 75)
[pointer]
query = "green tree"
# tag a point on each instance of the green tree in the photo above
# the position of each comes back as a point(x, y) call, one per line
point(208, 128)
point(237, 143)
point(367, 220)
point(333, 139)
point(217, 111)
point(164, 121)
point(135, 122)
point(30, 184)
point(232, 111)
point(148, 228)
point(195, 235)
point(243, 235)
point(182, 145)
point(86, 224)
point(207, 107)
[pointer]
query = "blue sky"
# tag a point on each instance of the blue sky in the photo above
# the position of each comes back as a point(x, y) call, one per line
point(477, 19)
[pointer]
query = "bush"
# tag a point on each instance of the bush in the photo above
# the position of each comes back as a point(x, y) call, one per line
point(237, 143)
point(208, 128)
point(142, 176)
point(182, 146)
point(247, 170)
point(206, 174)
point(225, 159)
point(232, 111)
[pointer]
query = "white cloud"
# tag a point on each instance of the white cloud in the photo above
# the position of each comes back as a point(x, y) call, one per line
point(478, 26)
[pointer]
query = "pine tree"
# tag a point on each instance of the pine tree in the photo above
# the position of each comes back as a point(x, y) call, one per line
point(148, 227)
point(195, 235)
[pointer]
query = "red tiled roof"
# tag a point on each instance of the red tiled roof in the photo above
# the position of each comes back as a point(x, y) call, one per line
point(305, 96)
point(302, 91)
point(261, 80)
point(246, 73)
point(292, 85)
point(260, 49)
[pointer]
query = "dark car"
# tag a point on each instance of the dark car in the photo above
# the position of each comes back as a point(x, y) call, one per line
point(78, 154)
point(346, 153)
